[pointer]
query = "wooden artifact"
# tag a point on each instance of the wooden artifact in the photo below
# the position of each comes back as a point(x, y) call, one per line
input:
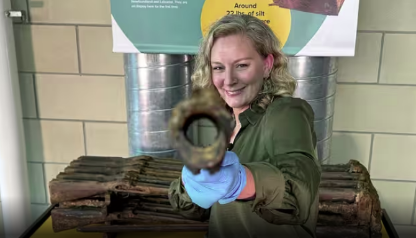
point(349, 205)
point(131, 194)
point(324, 7)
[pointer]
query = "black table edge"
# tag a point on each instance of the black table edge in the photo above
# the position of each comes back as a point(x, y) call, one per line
point(388, 225)
point(38, 223)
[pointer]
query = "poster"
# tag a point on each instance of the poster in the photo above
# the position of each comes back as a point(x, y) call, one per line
point(304, 27)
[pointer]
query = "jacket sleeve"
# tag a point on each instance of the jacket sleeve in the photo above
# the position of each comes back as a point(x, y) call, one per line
point(287, 182)
point(182, 203)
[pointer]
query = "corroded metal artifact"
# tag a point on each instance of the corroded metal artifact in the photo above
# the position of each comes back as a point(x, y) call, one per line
point(116, 191)
point(203, 104)
point(131, 194)
point(324, 7)
point(91, 176)
point(349, 205)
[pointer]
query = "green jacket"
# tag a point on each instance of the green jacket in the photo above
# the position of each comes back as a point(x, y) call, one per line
point(278, 146)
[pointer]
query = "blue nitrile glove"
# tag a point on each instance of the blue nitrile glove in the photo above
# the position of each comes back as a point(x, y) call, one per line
point(224, 186)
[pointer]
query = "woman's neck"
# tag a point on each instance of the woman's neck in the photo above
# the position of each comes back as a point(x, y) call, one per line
point(237, 112)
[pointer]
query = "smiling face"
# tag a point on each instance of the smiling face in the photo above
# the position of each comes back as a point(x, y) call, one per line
point(238, 70)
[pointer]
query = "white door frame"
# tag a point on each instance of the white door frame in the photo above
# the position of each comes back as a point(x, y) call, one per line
point(14, 189)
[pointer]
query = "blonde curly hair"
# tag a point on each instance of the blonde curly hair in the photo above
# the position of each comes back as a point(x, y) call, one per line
point(279, 82)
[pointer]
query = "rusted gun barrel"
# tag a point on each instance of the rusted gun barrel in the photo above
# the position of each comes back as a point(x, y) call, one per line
point(203, 104)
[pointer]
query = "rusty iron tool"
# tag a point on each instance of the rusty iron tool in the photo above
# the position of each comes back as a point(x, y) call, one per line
point(203, 104)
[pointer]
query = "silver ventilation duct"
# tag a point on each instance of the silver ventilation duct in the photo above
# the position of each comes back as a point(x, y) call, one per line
point(155, 83)
point(317, 78)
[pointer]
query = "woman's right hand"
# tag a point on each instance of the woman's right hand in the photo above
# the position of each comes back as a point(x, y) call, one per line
point(224, 186)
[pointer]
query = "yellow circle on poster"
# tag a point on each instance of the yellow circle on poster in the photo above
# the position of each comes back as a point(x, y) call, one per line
point(279, 19)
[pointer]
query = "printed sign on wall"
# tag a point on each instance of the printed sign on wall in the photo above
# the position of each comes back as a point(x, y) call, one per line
point(304, 27)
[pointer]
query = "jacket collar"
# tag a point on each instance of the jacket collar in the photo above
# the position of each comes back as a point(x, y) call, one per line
point(251, 116)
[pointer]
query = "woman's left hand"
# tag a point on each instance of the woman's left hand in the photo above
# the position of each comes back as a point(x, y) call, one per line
point(224, 186)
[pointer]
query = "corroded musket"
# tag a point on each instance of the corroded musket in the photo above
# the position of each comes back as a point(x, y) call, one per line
point(203, 104)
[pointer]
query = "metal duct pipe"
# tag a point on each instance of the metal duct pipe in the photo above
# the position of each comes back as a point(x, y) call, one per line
point(317, 78)
point(155, 83)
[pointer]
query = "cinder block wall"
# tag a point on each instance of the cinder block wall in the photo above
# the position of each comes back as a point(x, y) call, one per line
point(72, 87)
point(375, 115)
point(74, 98)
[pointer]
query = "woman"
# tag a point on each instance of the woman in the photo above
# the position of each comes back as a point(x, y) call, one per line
point(268, 183)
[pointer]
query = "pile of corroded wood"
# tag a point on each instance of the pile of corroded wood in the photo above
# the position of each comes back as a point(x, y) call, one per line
point(325, 7)
point(349, 205)
point(127, 194)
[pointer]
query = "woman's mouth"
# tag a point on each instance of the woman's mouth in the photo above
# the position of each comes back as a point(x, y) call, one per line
point(232, 93)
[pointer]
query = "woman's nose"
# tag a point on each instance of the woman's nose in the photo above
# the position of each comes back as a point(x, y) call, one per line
point(229, 78)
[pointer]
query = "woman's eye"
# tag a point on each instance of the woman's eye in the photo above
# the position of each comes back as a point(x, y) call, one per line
point(217, 68)
point(242, 65)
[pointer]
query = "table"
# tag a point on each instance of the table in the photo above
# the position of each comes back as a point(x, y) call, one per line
point(42, 227)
